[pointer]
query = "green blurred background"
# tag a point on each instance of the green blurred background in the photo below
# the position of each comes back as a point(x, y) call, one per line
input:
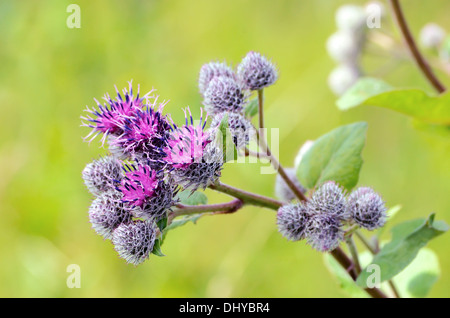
point(49, 73)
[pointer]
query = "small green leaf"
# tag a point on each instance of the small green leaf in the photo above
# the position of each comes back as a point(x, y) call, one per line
point(162, 224)
point(189, 198)
point(418, 278)
point(182, 221)
point(411, 102)
point(251, 109)
point(334, 156)
point(407, 239)
point(225, 140)
point(157, 248)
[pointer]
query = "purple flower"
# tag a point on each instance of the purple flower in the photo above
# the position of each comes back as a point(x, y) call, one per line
point(211, 70)
point(135, 241)
point(325, 232)
point(366, 208)
point(293, 221)
point(110, 117)
point(329, 199)
point(102, 175)
point(138, 184)
point(256, 71)
point(107, 212)
point(224, 94)
point(240, 128)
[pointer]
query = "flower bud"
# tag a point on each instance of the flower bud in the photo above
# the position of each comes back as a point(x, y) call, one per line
point(256, 71)
point(343, 47)
point(211, 70)
point(366, 208)
point(342, 78)
point(293, 221)
point(432, 35)
point(102, 175)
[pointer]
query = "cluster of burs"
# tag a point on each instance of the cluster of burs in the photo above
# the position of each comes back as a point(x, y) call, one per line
point(360, 27)
point(151, 158)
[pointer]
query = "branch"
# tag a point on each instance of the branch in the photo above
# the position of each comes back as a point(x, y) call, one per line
point(228, 207)
point(418, 57)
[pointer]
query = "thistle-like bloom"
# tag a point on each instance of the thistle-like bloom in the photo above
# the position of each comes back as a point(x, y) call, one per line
point(256, 72)
point(135, 241)
point(282, 190)
point(107, 212)
point(110, 117)
point(194, 159)
point(102, 175)
point(224, 94)
point(240, 128)
point(324, 232)
point(144, 133)
point(366, 208)
point(211, 70)
point(138, 184)
point(293, 221)
point(329, 199)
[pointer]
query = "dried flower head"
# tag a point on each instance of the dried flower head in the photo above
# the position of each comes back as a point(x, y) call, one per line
point(102, 175)
point(240, 128)
point(329, 199)
point(366, 208)
point(135, 241)
point(211, 70)
point(110, 117)
point(224, 94)
point(107, 212)
point(282, 190)
point(293, 221)
point(256, 72)
point(325, 232)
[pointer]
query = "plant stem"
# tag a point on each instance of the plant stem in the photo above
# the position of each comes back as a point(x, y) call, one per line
point(346, 263)
point(228, 207)
point(279, 168)
point(354, 253)
point(261, 107)
point(247, 197)
point(418, 57)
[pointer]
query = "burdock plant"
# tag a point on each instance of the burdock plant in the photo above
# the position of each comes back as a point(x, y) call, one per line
point(152, 181)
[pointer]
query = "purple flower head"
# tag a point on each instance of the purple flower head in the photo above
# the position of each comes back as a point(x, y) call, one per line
point(211, 70)
point(144, 132)
point(138, 184)
point(282, 190)
point(110, 117)
point(366, 208)
point(240, 128)
point(134, 241)
point(325, 232)
point(224, 94)
point(256, 71)
point(329, 199)
point(107, 212)
point(102, 175)
point(293, 221)
point(186, 144)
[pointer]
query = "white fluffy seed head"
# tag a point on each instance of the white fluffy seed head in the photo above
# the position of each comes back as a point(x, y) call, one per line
point(350, 18)
point(344, 47)
point(342, 78)
point(432, 35)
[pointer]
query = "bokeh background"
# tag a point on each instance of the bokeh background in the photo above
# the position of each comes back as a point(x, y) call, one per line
point(49, 73)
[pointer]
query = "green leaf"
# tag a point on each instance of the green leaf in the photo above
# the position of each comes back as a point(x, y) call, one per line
point(189, 198)
point(224, 139)
point(334, 156)
point(418, 278)
point(346, 283)
point(251, 109)
point(412, 102)
point(182, 221)
point(157, 248)
point(407, 239)
point(440, 130)
point(162, 224)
